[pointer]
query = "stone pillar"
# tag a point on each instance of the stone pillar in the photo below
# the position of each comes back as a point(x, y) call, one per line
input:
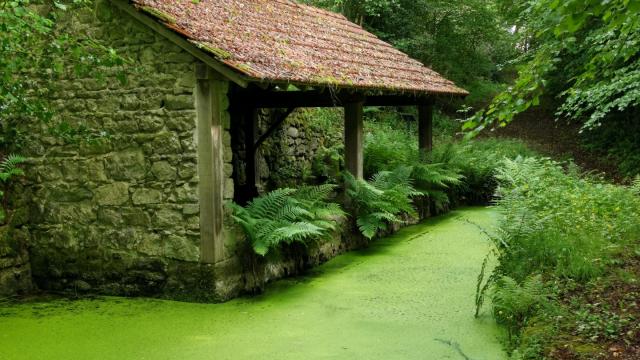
point(353, 138)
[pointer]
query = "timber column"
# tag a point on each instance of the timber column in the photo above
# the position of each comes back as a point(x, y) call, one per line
point(425, 127)
point(211, 93)
point(353, 138)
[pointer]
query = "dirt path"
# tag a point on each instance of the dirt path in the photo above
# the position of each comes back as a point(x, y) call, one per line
point(409, 296)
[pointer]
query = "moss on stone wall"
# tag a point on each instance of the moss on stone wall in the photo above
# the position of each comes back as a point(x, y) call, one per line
point(120, 215)
point(290, 157)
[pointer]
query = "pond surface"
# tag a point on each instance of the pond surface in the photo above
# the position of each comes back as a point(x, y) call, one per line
point(409, 296)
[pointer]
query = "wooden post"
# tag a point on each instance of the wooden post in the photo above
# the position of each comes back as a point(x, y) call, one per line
point(353, 138)
point(425, 127)
point(209, 101)
point(251, 171)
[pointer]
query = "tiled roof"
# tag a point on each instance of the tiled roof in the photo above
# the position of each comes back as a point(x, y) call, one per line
point(284, 41)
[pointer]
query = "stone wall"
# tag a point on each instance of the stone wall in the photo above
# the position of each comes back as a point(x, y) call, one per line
point(15, 269)
point(302, 150)
point(120, 215)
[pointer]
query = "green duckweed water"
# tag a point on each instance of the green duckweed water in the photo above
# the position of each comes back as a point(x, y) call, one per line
point(409, 296)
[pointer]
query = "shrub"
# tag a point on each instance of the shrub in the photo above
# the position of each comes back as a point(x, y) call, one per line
point(617, 141)
point(381, 201)
point(562, 222)
point(387, 148)
point(434, 180)
point(285, 216)
point(515, 304)
point(560, 230)
point(477, 161)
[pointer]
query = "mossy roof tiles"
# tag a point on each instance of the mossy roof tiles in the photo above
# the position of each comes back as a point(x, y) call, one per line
point(284, 41)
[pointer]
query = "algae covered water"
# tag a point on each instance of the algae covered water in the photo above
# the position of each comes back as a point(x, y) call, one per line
point(409, 296)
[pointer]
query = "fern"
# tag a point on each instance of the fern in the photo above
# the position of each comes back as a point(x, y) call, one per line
point(433, 181)
point(635, 186)
point(515, 304)
point(9, 167)
point(382, 200)
point(285, 216)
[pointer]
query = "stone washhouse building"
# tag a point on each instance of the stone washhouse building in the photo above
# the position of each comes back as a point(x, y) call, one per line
point(141, 212)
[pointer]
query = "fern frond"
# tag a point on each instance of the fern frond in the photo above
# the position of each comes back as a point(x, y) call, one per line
point(295, 232)
point(315, 194)
point(9, 167)
point(269, 205)
point(287, 216)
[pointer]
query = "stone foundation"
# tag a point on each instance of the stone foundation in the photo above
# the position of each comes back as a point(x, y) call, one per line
point(15, 270)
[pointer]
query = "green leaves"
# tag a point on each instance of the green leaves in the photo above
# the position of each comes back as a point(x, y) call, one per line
point(36, 49)
point(285, 216)
point(383, 200)
point(561, 222)
point(9, 167)
point(589, 48)
point(515, 304)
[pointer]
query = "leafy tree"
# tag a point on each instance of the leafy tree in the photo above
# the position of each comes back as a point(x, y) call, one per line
point(584, 52)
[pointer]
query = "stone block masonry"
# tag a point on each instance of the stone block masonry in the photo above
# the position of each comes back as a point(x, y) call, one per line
point(121, 215)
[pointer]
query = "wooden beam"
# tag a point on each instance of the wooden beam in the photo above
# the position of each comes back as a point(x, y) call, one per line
point(353, 138)
point(276, 124)
point(288, 99)
point(397, 100)
point(209, 106)
point(425, 127)
point(187, 46)
point(302, 99)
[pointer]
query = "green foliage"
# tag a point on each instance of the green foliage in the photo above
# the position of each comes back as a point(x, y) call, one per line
point(9, 169)
point(463, 169)
point(566, 228)
point(562, 223)
point(594, 321)
point(381, 201)
point(285, 216)
point(386, 148)
point(584, 52)
point(33, 50)
point(434, 181)
point(515, 304)
point(635, 187)
point(617, 141)
point(476, 161)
